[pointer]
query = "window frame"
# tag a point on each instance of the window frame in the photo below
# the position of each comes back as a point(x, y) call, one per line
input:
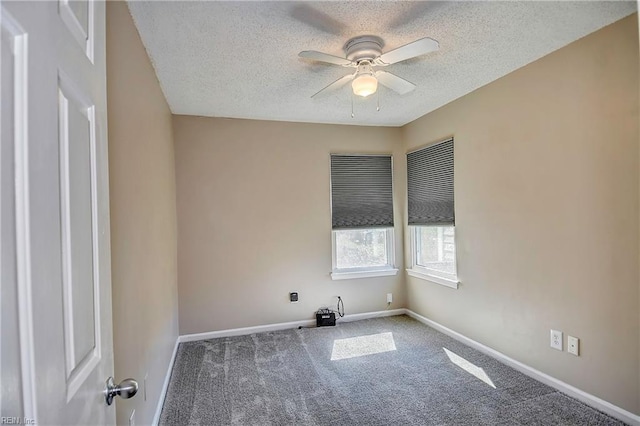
point(367, 271)
point(428, 274)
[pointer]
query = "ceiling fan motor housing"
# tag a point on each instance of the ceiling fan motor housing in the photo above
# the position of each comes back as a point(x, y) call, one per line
point(363, 48)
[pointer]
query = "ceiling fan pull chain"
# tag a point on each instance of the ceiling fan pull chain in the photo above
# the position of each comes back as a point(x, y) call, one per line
point(378, 99)
point(352, 114)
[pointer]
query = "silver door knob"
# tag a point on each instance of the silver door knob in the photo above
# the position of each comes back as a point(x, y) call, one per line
point(126, 389)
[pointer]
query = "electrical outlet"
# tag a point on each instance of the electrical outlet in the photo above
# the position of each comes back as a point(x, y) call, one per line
point(132, 418)
point(556, 339)
point(573, 345)
point(389, 297)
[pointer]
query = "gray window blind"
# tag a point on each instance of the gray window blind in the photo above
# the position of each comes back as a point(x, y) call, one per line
point(430, 185)
point(361, 191)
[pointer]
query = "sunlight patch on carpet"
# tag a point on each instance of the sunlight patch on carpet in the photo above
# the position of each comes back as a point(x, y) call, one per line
point(469, 367)
point(362, 345)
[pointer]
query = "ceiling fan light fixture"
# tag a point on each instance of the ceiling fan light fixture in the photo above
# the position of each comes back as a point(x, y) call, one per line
point(364, 85)
point(365, 82)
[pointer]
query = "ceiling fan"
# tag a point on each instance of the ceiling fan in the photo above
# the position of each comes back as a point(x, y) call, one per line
point(364, 53)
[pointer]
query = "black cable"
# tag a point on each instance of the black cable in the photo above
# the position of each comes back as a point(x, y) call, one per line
point(340, 302)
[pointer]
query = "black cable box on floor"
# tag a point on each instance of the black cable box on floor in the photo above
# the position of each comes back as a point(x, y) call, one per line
point(324, 319)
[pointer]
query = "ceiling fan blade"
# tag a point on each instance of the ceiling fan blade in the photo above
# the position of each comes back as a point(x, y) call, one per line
point(408, 51)
point(395, 83)
point(335, 85)
point(325, 57)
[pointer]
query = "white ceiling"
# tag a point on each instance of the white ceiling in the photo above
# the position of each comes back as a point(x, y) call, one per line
point(240, 59)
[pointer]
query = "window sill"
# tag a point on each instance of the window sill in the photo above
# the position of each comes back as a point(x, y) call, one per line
point(438, 280)
point(347, 275)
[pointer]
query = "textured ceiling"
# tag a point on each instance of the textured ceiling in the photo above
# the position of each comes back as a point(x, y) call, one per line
point(240, 59)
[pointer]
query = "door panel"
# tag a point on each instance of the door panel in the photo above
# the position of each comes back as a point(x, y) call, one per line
point(77, 16)
point(78, 208)
point(80, 9)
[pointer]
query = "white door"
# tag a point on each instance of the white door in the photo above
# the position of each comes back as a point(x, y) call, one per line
point(55, 214)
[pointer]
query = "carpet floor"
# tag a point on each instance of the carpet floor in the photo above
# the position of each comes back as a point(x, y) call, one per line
point(383, 371)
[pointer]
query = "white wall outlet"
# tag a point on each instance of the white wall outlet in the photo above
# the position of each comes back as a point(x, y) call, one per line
point(132, 418)
point(573, 345)
point(556, 339)
point(389, 297)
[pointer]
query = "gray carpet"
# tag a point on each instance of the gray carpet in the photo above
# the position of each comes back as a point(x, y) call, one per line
point(419, 377)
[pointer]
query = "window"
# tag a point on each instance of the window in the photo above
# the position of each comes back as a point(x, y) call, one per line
point(434, 251)
point(357, 250)
point(362, 216)
point(431, 214)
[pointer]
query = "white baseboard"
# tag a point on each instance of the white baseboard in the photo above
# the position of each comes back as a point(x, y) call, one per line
point(244, 330)
point(165, 385)
point(591, 400)
point(377, 314)
point(283, 326)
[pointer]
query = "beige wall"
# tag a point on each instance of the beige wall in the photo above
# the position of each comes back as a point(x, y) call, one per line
point(547, 192)
point(254, 221)
point(546, 181)
point(143, 217)
point(638, 23)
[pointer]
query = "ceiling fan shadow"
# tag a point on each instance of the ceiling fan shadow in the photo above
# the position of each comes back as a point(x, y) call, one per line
point(313, 66)
point(417, 10)
point(317, 19)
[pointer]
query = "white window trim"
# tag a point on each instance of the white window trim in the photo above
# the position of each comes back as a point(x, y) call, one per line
point(433, 278)
point(366, 272)
point(369, 273)
point(423, 273)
